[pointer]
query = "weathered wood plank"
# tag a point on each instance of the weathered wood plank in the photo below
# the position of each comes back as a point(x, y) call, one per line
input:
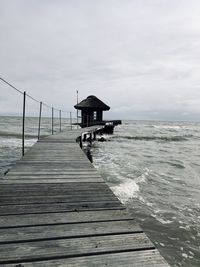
point(48, 193)
point(145, 258)
point(53, 194)
point(23, 234)
point(56, 210)
point(55, 199)
point(63, 218)
point(53, 186)
point(42, 208)
point(54, 176)
point(61, 176)
point(28, 251)
point(43, 180)
point(67, 167)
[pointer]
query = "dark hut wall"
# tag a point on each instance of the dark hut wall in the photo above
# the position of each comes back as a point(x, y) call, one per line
point(91, 110)
point(90, 117)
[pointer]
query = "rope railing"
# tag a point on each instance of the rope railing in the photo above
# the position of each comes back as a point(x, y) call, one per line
point(41, 105)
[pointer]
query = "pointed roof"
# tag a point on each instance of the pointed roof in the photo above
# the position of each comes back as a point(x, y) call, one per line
point(92, 102)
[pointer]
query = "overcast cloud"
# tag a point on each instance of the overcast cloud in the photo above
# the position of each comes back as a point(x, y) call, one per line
point(141, 57)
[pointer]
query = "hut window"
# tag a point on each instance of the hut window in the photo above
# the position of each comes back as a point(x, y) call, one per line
point(95, 115)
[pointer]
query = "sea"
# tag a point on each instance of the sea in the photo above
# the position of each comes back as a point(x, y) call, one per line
point(152, 166)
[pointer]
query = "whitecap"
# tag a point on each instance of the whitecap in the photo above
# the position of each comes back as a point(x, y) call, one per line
point(164, 221)
point(129, 188)
point(143, 177)
point(185, 255)
point(126, 190)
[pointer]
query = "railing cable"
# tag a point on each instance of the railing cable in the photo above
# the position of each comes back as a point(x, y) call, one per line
point(29, 96)
point(25, 96)
point(19, 91)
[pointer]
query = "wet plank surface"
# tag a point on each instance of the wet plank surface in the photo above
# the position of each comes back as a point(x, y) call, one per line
point(56, 210)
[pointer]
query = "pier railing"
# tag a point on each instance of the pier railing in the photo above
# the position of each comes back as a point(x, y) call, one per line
point(53, 111)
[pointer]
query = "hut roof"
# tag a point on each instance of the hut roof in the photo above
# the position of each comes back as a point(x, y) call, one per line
point(92, 102)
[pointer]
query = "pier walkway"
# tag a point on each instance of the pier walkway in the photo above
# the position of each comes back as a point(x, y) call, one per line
point(56, 210)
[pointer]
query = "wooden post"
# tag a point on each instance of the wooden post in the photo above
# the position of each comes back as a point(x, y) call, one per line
point(23, 122)
point(40, 114)
point(84, 137)
point(90, 138)
point(94, 136)
point(52, 122)
point(81, 142)
point(60, 120)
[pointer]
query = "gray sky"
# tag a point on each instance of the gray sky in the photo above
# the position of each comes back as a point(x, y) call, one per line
point(141, 57)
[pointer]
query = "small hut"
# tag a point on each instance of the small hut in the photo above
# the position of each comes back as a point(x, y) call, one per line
point(91, 111)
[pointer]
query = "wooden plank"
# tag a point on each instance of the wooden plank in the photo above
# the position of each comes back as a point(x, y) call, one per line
point(29, 251)
point(53, 186)
point(43, 208)
point(54, 171)
point(25, 189)
point(43, 180)
point(55, 199)
point(9, 195)
point(66, 171)
point(72, 166)
point(47, 232)
point(145, 258)
point(56, 210)
point(61, 192)
point(54, 176)
point(63, 218)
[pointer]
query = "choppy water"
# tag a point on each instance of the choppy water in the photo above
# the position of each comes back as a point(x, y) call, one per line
point(153, 167)
point(10, 137)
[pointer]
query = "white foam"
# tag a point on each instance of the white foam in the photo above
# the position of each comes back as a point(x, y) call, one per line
point(187, 227)
point(170, 127)
point(15, 142)
point(143, 177)
point(164, 221)
point(126, 190)
point(162, 244)
point(129, 188)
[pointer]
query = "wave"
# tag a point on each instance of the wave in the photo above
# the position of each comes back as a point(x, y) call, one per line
point(179, 165)
point(16, 135)
point(156, 138)
point(129, 188)
point(126, 190)
point(167, 127)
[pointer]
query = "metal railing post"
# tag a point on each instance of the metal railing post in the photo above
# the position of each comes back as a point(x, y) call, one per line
point(52, 130)
point(77, 110)
point(71, 120)
point(60, 120)
point(77, 118)
point(40, 115)
point(23, 122)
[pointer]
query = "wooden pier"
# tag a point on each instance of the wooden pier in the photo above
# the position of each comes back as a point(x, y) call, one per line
point(56, 210)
